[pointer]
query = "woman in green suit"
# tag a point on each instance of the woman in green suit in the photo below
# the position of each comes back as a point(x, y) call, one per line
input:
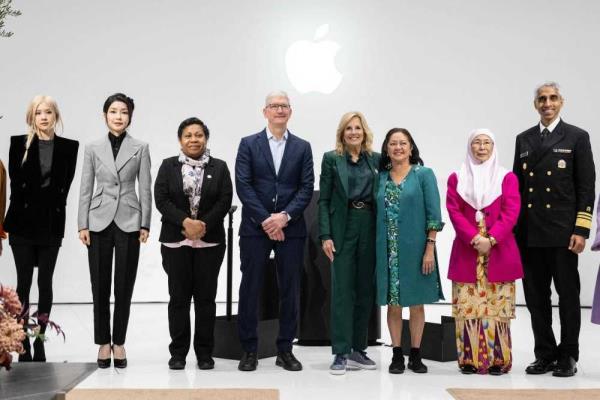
point(408, 218)
point(347, 231)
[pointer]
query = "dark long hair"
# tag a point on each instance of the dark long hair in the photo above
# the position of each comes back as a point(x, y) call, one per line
point(386, 162)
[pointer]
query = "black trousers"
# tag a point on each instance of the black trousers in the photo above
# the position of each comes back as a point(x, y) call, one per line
point(126, 248)
point(542, 265)
point(192, 273)
point(254, 254)
point(27, 256)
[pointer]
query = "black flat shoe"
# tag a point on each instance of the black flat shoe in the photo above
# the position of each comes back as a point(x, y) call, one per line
point(119, 362)
point(176, 363)
point(248, 362)
point(206, 363)
point(287, 361)
point(495, 370)
point(397, 366)
point(540, 366)
point(468, 369)
point(39, 352)
point(566, 367)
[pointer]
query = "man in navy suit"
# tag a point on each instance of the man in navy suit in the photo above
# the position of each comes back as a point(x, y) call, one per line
point(274, 181)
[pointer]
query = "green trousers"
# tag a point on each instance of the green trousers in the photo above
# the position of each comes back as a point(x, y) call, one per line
point(353, 284)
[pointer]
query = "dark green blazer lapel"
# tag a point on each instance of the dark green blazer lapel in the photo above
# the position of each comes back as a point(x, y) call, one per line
point(342, 166)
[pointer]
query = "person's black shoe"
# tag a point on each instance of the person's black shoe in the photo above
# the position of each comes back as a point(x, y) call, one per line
point(495, 370)
point(567, 366)
point(176, 363)
point(26, 356)
point(206, 363)
point(119, 362)
point(248, 362)
point(397, 365)
point(540, 366)
point(103, 363)
point(39, 353)
point(287, 360)
point(468, 369)
point(414, 362)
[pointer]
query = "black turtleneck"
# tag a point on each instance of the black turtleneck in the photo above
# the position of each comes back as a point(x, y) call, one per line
point(115, 142)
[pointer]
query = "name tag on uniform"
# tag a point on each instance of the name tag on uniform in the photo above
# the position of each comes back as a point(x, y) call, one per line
point(565, 151)
point(524, 154)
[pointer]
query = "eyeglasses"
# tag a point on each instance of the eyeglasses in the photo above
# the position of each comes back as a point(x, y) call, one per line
point(284, 107)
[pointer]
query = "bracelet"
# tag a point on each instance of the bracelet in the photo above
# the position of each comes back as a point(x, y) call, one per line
point(430, 240)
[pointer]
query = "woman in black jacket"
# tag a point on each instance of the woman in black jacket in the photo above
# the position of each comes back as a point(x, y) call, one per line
point(41, 166)
point(193, 193)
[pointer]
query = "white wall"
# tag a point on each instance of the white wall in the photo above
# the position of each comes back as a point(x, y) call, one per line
point(437, 68)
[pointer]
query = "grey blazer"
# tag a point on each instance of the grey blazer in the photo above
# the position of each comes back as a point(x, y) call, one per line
point(114, 198)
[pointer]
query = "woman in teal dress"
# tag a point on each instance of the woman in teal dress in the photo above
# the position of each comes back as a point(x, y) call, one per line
point(408, 219)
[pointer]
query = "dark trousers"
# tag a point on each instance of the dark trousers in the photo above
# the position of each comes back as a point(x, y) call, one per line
point(27, 256)
point(192, 273)
point(254, 254)
point(126, 248)
point(542, 265)
point(353, 284)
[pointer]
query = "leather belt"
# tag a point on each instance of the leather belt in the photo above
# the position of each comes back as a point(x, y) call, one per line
point(359, 205)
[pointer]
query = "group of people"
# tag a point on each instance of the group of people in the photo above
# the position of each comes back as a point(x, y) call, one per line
point(379, 214)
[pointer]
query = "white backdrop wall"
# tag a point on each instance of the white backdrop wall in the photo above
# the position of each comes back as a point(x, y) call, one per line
point(438, 68)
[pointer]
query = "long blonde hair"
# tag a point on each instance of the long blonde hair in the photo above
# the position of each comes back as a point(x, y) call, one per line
point(32, 130)
point(367, 143)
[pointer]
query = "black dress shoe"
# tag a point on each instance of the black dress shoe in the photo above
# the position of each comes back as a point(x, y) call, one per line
point(206, 363)
point(287, 360)
point(176, 363)
point(248, 362)
point(567, 366)
point(39, 353)
point(468, 369)
point(540, 366)
point(103, 363)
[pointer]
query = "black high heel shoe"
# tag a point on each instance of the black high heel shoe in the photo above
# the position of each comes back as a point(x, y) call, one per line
point(103, 363)
point(39, 352)
point(119, 362)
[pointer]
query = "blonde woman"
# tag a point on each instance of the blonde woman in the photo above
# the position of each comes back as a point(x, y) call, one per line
point(41, 166)
point(347, 232)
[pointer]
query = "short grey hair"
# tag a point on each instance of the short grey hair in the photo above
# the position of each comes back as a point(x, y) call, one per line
point(550, 84)
point(277, 93)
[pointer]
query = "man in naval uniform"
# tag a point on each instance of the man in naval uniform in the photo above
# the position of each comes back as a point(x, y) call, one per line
point(554, 164)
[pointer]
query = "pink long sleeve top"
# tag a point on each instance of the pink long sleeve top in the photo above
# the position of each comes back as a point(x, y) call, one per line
point(500, 217)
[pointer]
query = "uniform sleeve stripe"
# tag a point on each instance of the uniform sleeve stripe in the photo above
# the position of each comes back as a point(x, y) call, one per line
point(583, 223)
point(584, 215)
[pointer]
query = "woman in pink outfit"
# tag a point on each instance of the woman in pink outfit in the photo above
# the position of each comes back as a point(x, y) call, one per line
point(596, 247)
point(483, 203)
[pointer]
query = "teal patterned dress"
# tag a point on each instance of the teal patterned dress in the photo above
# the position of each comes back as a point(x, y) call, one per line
point(405, 213)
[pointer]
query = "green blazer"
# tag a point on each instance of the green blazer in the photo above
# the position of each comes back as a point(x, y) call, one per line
point(333, 198)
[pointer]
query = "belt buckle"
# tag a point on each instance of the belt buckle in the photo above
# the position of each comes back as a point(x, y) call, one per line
point(358, 204)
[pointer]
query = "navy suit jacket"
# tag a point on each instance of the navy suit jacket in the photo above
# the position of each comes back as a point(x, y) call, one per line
point(263, 192)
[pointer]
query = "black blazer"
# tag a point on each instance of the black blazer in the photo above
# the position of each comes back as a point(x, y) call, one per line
point(29, 211)
point(556, 181)
point(174, 205)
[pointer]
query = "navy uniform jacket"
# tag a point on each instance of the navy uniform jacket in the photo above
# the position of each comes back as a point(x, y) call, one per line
point(556, 181)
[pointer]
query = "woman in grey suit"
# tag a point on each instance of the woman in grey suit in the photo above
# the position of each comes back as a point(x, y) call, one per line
point(112, 218)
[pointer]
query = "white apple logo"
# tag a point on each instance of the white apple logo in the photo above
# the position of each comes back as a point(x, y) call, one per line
point(311, 65)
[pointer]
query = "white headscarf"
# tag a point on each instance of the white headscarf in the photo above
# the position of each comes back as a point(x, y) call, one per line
point(480, 183)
